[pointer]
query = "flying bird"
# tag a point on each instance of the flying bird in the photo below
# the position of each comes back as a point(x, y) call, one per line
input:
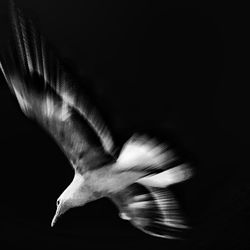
point(137, 180)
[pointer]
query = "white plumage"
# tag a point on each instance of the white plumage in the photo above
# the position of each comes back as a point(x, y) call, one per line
point(136, 181)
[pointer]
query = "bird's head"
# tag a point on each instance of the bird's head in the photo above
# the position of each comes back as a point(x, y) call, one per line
point(75, 195)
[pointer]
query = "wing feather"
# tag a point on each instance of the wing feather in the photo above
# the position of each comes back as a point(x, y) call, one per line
point(48, 93)
point(38, 57)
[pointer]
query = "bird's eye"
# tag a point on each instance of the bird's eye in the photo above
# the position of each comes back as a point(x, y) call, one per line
point(57, 202)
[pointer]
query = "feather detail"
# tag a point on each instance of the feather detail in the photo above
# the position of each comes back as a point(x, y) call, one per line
point(48, 93)
point(159, 166)
point(168, 177)
point(153, 210)
point(140, 153)
point(37, 58)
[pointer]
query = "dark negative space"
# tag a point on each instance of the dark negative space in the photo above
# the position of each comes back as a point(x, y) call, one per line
point(151, 68)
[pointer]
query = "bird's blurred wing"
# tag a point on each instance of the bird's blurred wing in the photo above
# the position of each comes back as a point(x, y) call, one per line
point(47, 93)
point(153, 210)
point(160, 165)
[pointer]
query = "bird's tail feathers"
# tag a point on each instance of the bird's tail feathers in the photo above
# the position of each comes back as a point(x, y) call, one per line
point(153, 210)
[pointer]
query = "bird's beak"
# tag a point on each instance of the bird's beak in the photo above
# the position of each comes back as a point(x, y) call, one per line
point(61, 209)
point(70, 197)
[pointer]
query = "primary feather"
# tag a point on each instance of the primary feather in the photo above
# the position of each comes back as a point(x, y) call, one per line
point(136, 181)
point(48, 93)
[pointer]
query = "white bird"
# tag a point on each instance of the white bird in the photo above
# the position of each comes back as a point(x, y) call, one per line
point(136, 181)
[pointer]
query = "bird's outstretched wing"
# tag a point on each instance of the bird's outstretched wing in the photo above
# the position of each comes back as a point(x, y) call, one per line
point(49, 94)
point(160, 164)
point(153, 210)
point(149, 203)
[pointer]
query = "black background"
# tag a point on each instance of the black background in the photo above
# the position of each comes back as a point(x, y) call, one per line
point(170, 71)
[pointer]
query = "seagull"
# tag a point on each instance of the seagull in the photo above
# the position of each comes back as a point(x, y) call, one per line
point(136, 180)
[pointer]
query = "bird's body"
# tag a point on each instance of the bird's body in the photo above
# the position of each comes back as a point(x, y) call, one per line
point(108, 181)
point(136, 180)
